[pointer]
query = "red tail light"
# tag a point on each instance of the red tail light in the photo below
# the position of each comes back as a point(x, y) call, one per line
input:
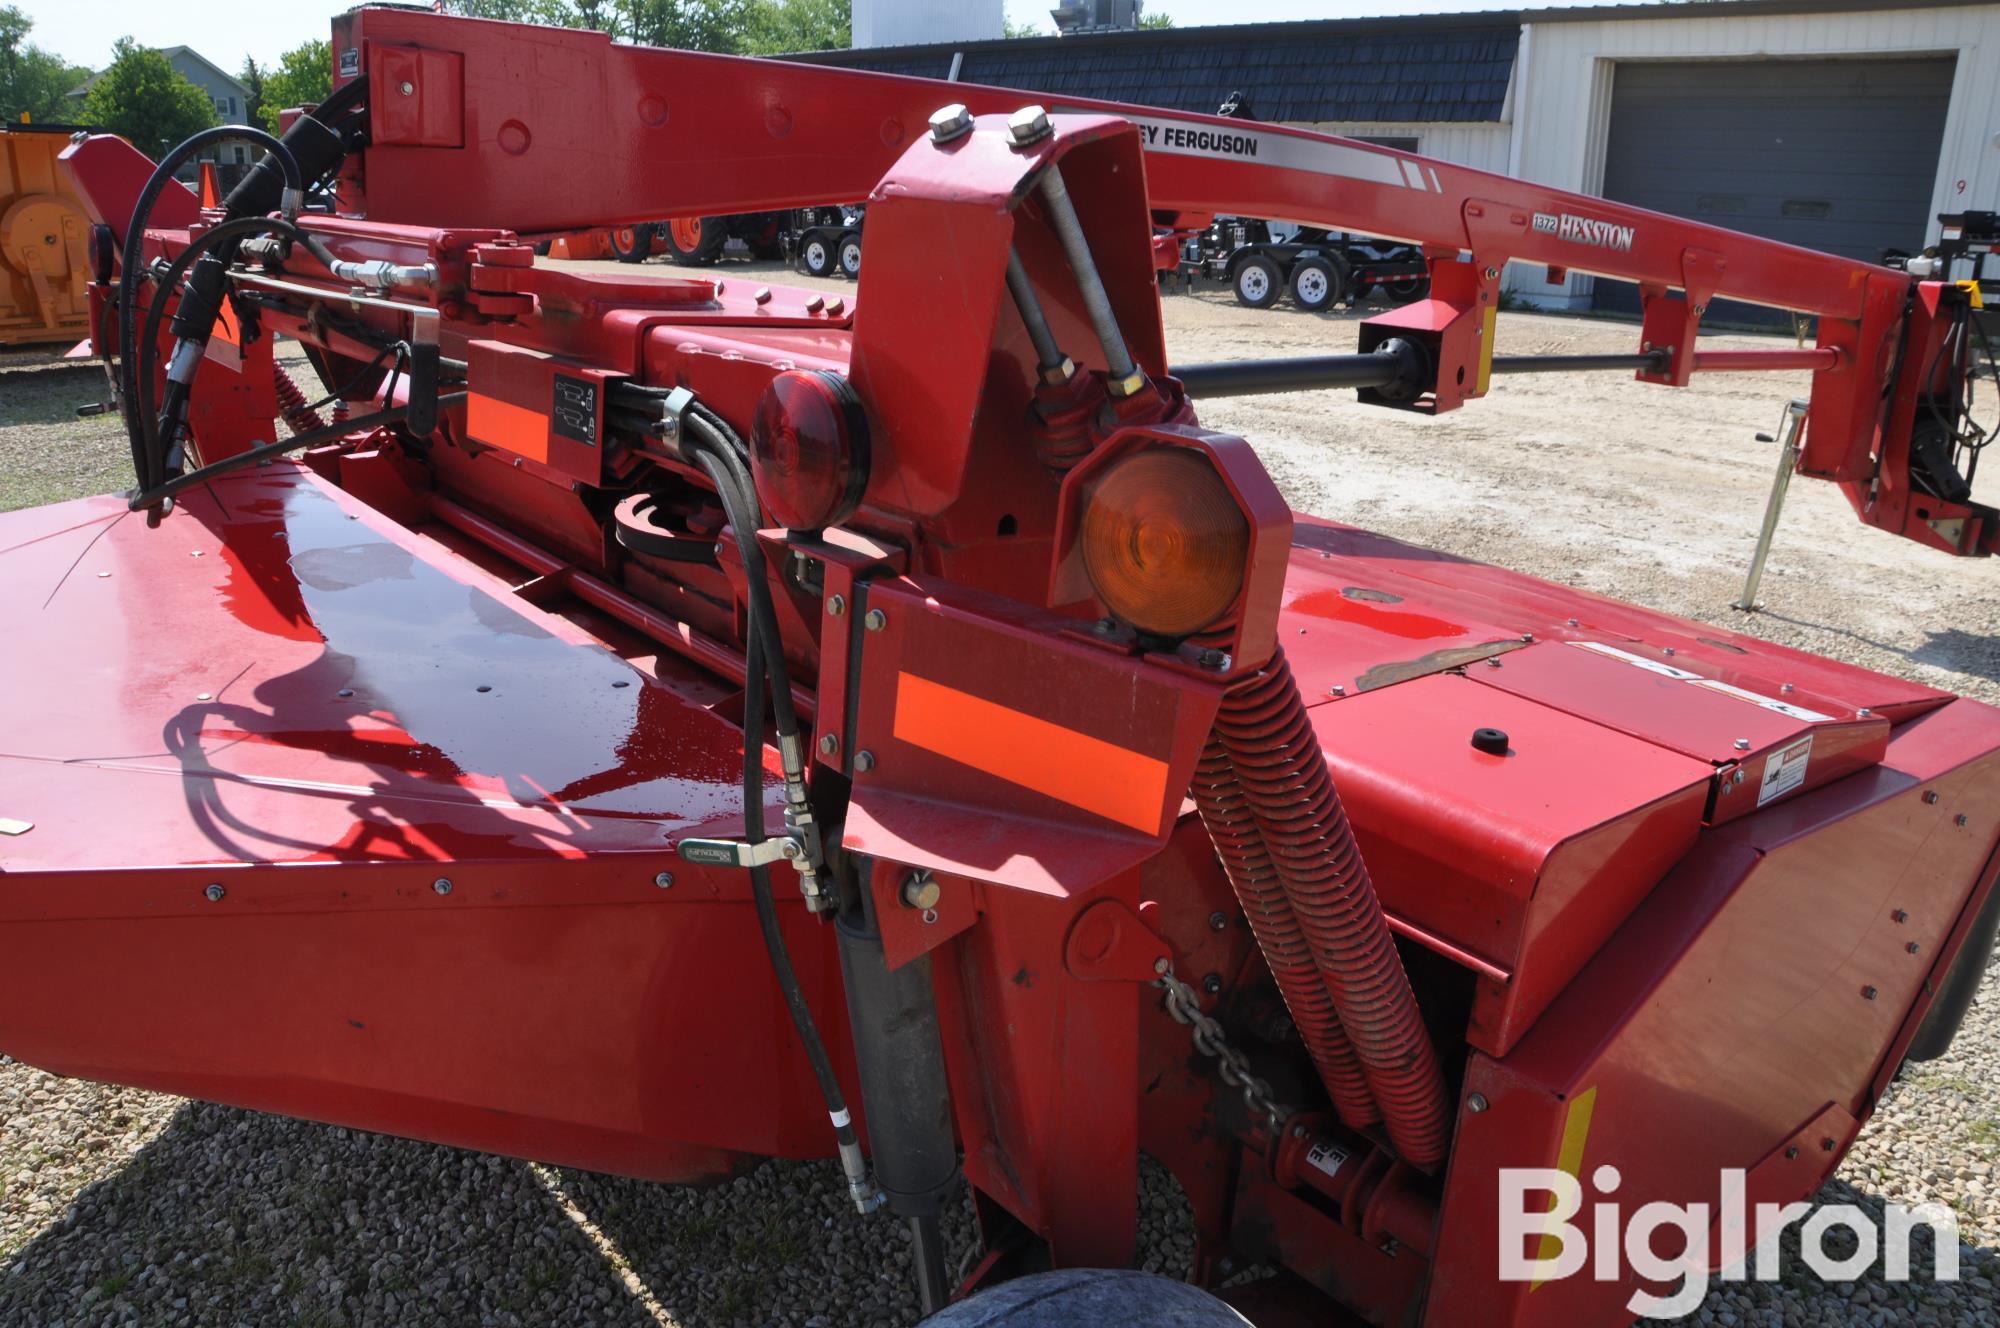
point(809, 449)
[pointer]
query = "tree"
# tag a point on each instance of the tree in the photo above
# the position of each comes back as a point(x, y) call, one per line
point(303, 76)
point(778, 27)
point(252, 76)
point(1156, 20)
point(141, 97)
point(1009, 28)
point(33, 82)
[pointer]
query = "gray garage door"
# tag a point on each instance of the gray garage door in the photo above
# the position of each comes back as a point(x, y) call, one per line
point(1839, 155)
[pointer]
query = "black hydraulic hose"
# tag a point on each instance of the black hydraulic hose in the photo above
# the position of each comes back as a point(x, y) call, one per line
point(134, 253)
point(713, 455)
point(228, 232)
point(333, 433)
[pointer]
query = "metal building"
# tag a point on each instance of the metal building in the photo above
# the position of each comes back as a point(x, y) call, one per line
point(1844, 125)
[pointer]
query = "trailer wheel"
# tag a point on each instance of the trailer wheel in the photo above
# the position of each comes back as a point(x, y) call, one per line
point(1317, 285)
point(816, 253)
point(1099, 1297)
point(1258, 282)
point(695, 241)
point(850, 254)
point(1407, 289)
point(631, 244)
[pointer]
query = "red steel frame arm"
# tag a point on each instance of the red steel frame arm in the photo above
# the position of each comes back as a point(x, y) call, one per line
point(601, 133)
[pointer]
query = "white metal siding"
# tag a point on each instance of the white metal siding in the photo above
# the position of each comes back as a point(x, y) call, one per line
point(1563, 91)
point(921, 22)
point(1481, 146)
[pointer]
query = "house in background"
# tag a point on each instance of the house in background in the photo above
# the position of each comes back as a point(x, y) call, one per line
point(231, 98)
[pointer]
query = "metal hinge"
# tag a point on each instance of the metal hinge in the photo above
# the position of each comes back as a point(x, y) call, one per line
point(737, 853)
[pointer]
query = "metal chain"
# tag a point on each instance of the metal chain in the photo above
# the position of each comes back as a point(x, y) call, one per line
point(1184, 1005)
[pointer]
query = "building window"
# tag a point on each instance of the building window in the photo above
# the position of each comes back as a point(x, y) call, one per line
point(1400, 142)
point(240, 158)
point(232, 105)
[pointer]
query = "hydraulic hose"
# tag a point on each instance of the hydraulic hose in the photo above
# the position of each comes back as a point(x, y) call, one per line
point(1232, 828)
point(133, 257)
point(1271, 748)
point(332, 433)
point(715, 456)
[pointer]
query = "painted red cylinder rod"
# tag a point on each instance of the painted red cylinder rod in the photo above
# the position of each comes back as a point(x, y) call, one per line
point(1745, 361)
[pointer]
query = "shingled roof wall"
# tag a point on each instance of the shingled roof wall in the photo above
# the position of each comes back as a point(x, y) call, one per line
point(1311, 72)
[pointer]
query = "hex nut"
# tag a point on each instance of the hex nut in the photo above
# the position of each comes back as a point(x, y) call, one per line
point(875, 620)
point(442, 885)
point(214, 894)
point(664, 880)
point(1029, 125)
point(950, 123)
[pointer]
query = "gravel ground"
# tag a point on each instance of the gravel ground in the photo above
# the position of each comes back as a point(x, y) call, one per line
point(123, 1207)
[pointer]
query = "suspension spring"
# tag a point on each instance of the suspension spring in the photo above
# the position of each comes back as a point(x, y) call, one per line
point(1232, 828)
point(292, 407)
point(1264, 728)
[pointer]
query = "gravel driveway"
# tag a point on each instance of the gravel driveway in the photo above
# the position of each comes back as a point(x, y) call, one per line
point(123, 1207)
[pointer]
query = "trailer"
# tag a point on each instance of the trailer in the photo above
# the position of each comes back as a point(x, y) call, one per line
point(43, 266)
point(1321, 269)
point(660, 724)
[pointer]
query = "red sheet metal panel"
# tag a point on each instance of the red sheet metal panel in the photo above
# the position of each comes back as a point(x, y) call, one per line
point(1525, 860)
point(435, 820)
point(1764, 745)
point(1762, 983)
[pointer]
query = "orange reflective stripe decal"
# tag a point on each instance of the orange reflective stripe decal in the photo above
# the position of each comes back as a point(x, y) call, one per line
point(1115, 782)
point(504, 424)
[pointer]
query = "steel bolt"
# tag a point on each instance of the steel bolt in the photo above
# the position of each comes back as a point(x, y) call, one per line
point(1527, 638)
point(950, 123)
point(1869, 993)
point(762, 295)
point(1492, 661)
point(835, 606)
point(1826, 1145)
point(863, 762)
point(1298, 1132)
point(442, 885)
point(1793, 1151)
point(1162, 964)
point(1215, 659)
point(876, 620)
point(828, 745)
point(1741, 744)
point(407, 88)
point(665, 880)
point(1476, 1103)
point(1864, 713)
point(1788, 689)
point(815, 304)
point(836, 305)
point(214, 894)
point(1028, 125)
point(1492, 272)
point(1959, 819)
point(921, 890)
point(1572, 622)
point(1212, 983)
point(1899, 916)
point(1336, 690)
point(1914, 948)
point(1670, 651)
point(1931, 797)
point(1218, 921)
point(1106, 626)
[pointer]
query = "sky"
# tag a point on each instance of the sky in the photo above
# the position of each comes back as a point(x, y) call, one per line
point(224, 31)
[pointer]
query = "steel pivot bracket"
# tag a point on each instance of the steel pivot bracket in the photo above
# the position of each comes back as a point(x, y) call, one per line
point(737, 853)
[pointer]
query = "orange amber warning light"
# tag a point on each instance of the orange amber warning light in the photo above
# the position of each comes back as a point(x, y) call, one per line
point(1164, 542)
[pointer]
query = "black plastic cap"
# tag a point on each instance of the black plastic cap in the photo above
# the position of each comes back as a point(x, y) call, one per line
point(1491, 741)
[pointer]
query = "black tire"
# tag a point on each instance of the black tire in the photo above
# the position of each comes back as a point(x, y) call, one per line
point(1318, 284)
point(1406, 290)
point(1257, 282)
point(1089, 1298)
point(631, 244)
point(818, 253)
point(850, 254)
point(694, 242)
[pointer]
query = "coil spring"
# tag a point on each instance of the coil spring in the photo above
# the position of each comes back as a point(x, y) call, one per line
point(292, 406)
point(1225, 812)
point(1264, 728)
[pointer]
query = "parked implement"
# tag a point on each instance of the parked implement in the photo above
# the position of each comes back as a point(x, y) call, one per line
point(669, 721)
point(43, 239)
point(1320, 268)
